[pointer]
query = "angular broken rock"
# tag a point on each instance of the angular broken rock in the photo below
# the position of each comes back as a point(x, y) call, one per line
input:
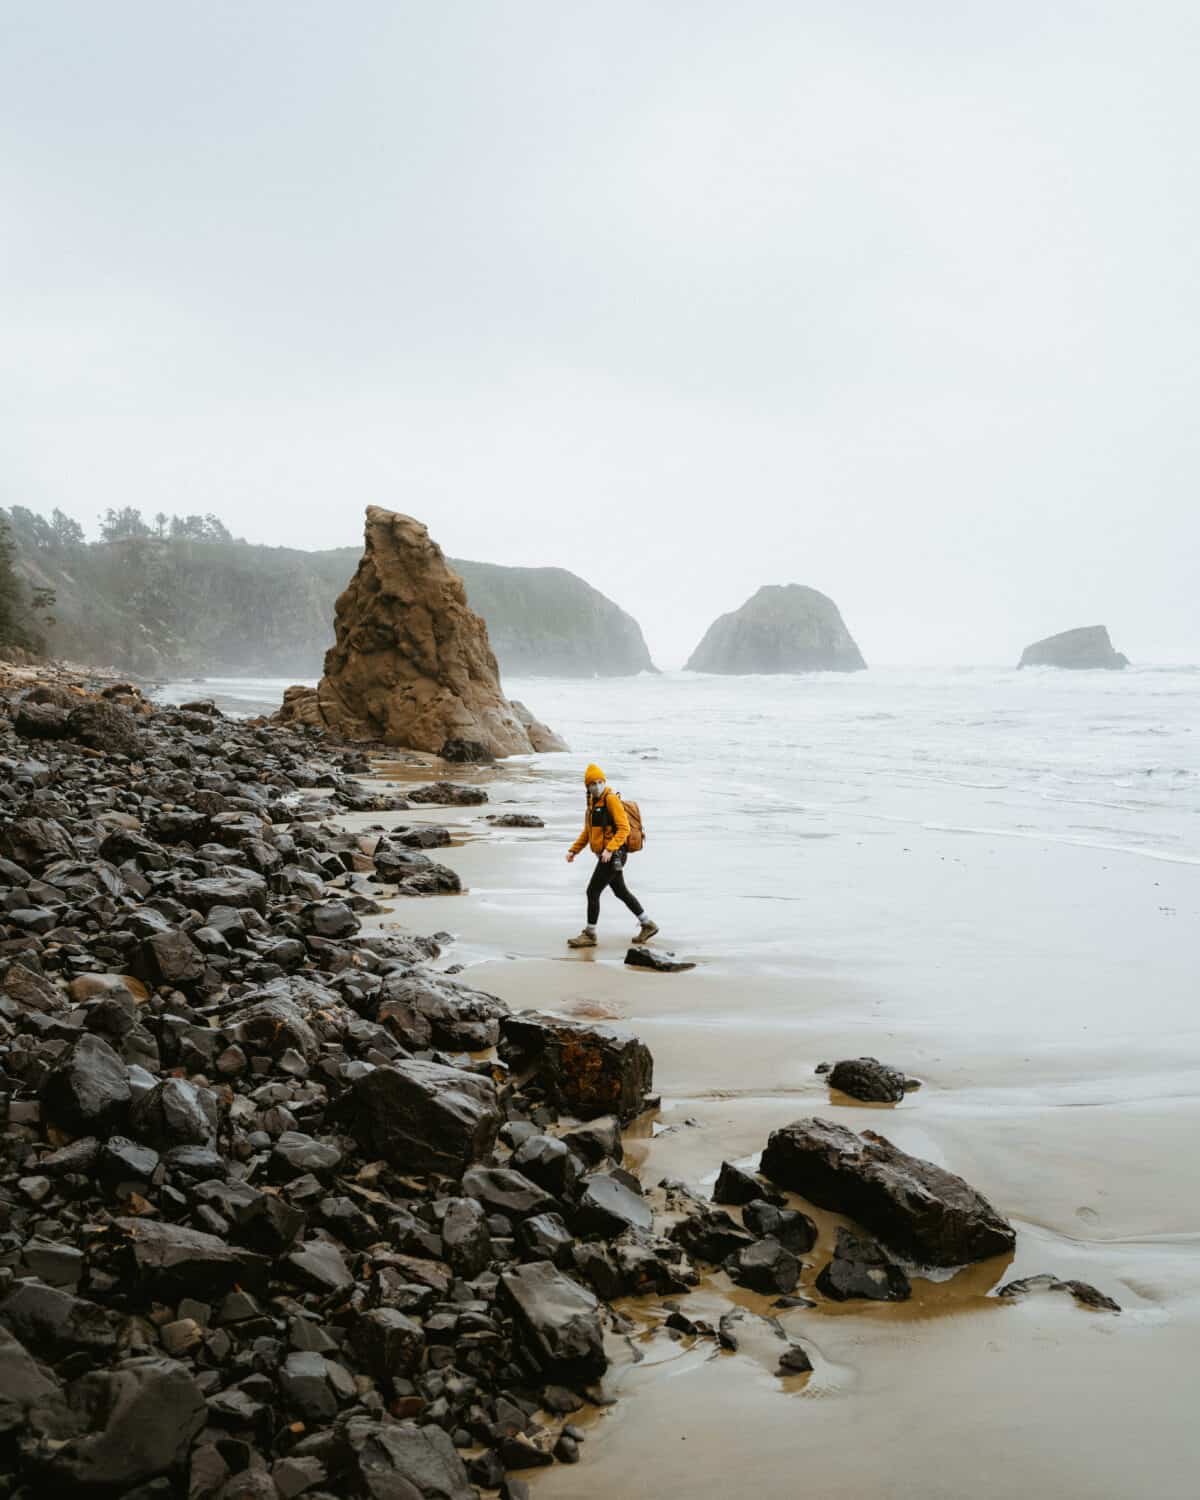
point(503, 1191)
point(558, 1321)
point(423, 1117)
point(868, 1079)
point(56, 1323)
point(140, 1419)
point(388, 1343)
point(860, 1268)
point(765, 1266)
point(88, 1091)
point(919, 1210)
point(589, 1070)
point(709, 1233)
point(656, 959)
point(608, 1208)
point(1083, 1291)
point(31, 1400)
point(174, 1261)
point(401, 1461)
point(735, 1186)
point(466, 1239)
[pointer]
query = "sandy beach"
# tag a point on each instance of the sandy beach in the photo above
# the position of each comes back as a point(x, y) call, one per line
point(1043, 994)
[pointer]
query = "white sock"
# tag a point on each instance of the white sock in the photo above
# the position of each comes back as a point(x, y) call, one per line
point(646, 920)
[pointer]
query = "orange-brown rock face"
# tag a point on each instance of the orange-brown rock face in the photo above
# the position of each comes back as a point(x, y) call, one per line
point(412, 665)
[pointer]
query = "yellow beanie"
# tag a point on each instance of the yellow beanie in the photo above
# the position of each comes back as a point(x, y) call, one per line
point(594, 773)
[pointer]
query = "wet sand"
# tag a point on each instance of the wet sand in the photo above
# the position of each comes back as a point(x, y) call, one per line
point(1073, 1105)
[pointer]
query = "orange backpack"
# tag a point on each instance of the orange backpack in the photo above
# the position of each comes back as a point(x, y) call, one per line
point(637, 832)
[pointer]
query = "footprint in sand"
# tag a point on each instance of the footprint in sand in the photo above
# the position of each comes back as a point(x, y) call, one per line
point(1089, 1214)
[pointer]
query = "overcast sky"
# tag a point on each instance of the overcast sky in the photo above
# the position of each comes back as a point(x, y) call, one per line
point(896, 300)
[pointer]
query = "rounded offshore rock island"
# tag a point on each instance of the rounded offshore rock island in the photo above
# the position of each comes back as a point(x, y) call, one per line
point(782, 628)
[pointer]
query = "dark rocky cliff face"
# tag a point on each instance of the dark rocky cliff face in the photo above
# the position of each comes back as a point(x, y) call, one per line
point(782, 628)
point(547, 622)
point(1086, 646)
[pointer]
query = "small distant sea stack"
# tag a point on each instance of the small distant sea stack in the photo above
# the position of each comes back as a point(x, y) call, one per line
point(782, 628)
point(1086, 646)
point(412, 664)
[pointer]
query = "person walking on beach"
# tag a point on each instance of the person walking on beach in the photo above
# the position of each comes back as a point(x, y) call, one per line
point(605, 832)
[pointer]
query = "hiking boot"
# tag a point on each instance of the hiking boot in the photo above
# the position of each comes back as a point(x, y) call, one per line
point(585, 939)
point(646, 931)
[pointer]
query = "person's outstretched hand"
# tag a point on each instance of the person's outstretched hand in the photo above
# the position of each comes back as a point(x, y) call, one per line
point(570, 856)
point(606, 856)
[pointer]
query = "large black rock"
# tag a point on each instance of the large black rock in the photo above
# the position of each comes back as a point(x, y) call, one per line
point(589, 1070)
point(558, 1321)
point(860, 1268)
point(919, 1210)
point(172, 1261)
point(869, 1079)
point(88, 1090)
point(140, 1419)
point(423, 1117)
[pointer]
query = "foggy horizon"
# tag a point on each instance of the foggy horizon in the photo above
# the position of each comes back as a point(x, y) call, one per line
point(899, 307)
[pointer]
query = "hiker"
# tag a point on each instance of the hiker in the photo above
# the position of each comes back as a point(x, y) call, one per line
point(605, 831)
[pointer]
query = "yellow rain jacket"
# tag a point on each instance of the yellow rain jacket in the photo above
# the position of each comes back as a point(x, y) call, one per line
point(605, 825)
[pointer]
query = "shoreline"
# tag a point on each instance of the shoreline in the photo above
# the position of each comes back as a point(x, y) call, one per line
point(1050, 1145)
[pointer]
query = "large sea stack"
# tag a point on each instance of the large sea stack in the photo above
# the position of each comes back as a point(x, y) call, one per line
point(1086, 646)
point(412, 664)
point(782, 628)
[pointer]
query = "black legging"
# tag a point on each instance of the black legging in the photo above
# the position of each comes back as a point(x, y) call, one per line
point(611, 875)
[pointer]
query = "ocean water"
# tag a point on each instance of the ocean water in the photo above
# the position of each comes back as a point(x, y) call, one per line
point(1022, 844)
point(1106, 760)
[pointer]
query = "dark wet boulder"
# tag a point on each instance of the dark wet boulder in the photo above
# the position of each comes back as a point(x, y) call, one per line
point(320, 1266)
point(868, 1079)
point(1083, 1291)
point(243, 889)
point(658, 960)
point(735, 1186)
point(172, 1261)
point(424, 1117)
point(466, 1238)
point(793, 1229)
point(794, 1361)
point(765, 1266)
point(88, 1089)
point(106, 727)
point(516, 820)
point(57, 1323)
point(22, 992)
point(546, 1237)
point(588, 1070)
point(860, 1268)
point(607, 1208)
point(401, 1461)
point(34, 843)
point(550, 1162)
point(448, 794)
point(273, 1025)
point(423, 1006)
point(139, 1419)
point(918, 1209)
point(466, 752)
point(329, 919)
point(175, 1113)
point(708, 1233)
point(304, 1382)
point(558, 1321)
point(424, 838)
point(31, 1400)
point(596, 1140)
point(388, 1343)
point(502, 1191)
point(41, 721)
